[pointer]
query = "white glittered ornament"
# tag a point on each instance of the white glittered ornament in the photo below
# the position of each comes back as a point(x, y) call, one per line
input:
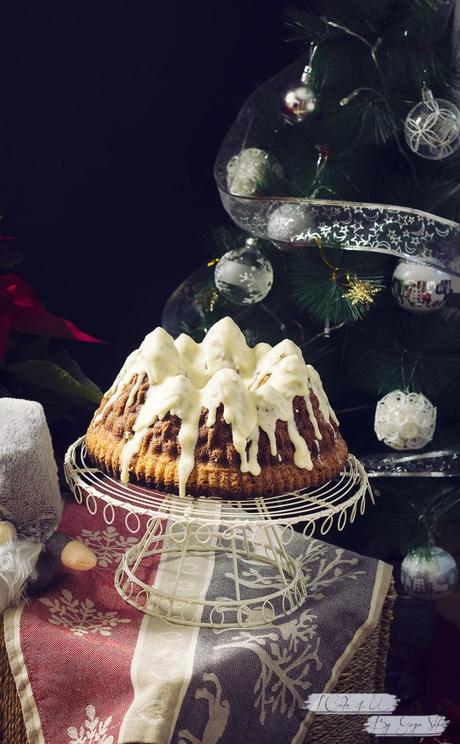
point(289, 222)
point(251, 170)
point(430, 573)
point(244, 276)
point(405, 420)
point(420, 288)
point(432, 127)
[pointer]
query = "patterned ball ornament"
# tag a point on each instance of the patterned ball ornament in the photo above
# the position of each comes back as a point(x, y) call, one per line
point(432, 127)
point(244, 276)
point(289, 223)
point(405, 420)
point(298, 100)
point(252, 170)
point(419, 288)
point(429, 573)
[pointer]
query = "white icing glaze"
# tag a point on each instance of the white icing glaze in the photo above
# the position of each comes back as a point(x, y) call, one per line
point(255, 386)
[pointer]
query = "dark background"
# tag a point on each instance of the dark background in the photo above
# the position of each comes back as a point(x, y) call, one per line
point(110, 119)
point(111, 115)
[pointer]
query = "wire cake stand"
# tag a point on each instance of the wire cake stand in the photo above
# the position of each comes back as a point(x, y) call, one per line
point(263, 580)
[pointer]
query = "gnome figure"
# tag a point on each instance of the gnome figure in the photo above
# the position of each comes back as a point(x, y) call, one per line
point(31, 506)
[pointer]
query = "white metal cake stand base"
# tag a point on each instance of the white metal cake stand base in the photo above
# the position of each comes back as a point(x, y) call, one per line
point(249, 538)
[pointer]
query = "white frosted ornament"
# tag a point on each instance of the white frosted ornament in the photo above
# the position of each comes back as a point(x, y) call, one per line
point(420, 288)
point(429, 573)
point(289, 223)
point(251, 170)
point(244, 276)
point(405, 420)
point(432, 127)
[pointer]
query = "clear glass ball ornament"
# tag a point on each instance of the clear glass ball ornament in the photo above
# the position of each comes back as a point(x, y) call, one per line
point(432, 127)
point(298, 100)
point(244, 276)
point(420, 288)
point(429, 573)
point(252, 171)
point(195, 305)
point(405, 420)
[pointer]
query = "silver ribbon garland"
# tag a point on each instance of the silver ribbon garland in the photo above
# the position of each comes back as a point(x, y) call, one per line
point(400, 231)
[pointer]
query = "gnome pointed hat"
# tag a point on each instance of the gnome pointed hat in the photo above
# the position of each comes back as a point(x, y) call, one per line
point(29, 489)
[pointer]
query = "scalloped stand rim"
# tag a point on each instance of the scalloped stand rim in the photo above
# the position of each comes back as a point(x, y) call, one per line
point(186, 530)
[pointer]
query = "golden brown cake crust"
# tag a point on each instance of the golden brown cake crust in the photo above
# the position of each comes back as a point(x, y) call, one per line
point(217, 464)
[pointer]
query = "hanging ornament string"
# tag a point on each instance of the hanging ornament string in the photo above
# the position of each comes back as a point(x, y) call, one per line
point(322, 160)
point(308, 69)
point(407, 386)
point(307, 72)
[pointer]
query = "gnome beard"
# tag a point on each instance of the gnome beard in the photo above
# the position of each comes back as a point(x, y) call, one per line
point(18, 559)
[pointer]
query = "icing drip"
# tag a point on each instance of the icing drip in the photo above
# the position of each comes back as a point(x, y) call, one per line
point(157, 357)
point(256, 387)
point(317, 387)
point(227, 388)
point(178, 397)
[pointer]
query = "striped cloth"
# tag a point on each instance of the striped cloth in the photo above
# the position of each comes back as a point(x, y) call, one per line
point(89, 669)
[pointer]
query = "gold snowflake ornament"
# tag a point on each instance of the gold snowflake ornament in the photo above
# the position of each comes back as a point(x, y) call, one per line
point(360, 291)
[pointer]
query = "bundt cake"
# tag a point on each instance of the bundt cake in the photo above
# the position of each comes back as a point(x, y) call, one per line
point(217, 418)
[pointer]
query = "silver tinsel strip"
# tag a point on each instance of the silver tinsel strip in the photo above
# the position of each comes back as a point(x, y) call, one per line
point(436, 464)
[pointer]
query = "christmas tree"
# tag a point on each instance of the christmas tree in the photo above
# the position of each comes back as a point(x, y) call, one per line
point(340, 176)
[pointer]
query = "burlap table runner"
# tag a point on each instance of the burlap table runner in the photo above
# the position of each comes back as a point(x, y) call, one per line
point(88, 668)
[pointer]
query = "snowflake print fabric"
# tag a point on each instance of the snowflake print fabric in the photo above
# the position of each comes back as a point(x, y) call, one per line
point(92, 731)
point(81, 617)
point(88, 675)
point(76, 643)
point(108, 544)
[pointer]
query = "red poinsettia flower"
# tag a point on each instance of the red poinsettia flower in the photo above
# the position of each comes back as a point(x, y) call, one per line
point(21, 312)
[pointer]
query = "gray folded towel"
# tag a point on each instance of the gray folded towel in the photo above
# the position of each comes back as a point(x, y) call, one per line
point(29, 488)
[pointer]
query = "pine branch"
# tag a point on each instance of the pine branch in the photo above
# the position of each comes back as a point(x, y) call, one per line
point(397, 349)
point(431, 191)
point(414, 509)
point(321, 291)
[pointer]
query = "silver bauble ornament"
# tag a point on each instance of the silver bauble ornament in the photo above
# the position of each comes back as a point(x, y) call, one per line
point(429, 573)
point(289, 223)
point(405, 420)
point(244, 276)
point(251, 170)
point(420, 288)
point(432, 127)
point(298, 100)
